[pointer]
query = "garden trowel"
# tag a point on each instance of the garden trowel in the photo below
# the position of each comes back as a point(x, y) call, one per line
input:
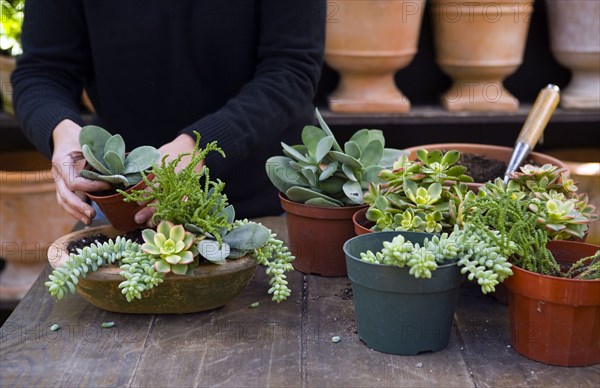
point(534, 126)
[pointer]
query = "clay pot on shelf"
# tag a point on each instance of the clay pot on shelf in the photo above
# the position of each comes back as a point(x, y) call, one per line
point(209, 287)
point(478, 44)
point(31, 220)
point(555, 320)
point(316, 236)
point(574, 29)
point(367, 42)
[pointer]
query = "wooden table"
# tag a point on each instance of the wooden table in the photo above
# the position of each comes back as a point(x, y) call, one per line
point(287, 344)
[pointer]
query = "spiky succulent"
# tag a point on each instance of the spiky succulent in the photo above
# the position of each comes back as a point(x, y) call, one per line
point(105, 154)
point(418, 195)
point(172, 244)
point(319, 172)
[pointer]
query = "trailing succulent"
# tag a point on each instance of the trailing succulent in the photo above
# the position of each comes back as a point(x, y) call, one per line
point(501, 213)
point(421, 195)
point(552, 196)
point(480, 254)
point(195, 224)
point(105, 154)
point(320, 173)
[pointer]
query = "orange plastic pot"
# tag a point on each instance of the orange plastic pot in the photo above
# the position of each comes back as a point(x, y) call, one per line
point(316, 236)
point(556, 320)
point(119, 213)
point(361, 224)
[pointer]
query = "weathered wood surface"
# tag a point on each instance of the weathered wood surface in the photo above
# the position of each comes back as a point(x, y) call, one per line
point(287, 344)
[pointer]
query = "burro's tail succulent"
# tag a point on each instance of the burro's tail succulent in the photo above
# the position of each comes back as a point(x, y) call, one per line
point(320, 173)
point(105, 154)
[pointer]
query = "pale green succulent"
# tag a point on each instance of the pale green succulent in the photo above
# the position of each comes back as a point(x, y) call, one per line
point(319, 172)
point(421, 195)
point(173, 244)
point(105, 154)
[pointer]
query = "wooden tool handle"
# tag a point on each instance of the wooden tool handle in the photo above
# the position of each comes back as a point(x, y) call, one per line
point(540, 114)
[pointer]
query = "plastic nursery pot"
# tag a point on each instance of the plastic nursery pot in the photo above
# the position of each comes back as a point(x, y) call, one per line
point(500, 153)
point(118, 212)
point(316, 236)
point(209, 287)
point(361, 224)
point(396, 312)
point(556, 320)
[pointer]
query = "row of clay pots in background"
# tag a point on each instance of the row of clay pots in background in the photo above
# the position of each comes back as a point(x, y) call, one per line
point(478, 44)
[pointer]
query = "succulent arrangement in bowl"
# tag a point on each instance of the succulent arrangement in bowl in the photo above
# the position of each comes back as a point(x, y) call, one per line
point(196, 229)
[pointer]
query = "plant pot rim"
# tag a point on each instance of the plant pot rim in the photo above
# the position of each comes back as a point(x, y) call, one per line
point(115, 196)
point(561, 279)
point(340, 212)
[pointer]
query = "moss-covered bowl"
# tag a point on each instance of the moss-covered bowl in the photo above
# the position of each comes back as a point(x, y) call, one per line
point(209, 287)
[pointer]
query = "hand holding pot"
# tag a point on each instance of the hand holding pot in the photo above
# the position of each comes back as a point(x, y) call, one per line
point(67, 161)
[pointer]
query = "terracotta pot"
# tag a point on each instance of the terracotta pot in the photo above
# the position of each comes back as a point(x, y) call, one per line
point(486, 150)
point(556, 320)
point(30, 220)
point(478, 44)
point(361, 224)
point(209, 287)
point(367, 42)
point(316, 236)
point(574, 28)
point(7, 65)
point(119, 213)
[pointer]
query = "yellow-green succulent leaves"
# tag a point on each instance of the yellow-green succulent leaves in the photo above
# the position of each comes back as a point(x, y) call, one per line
point(172, 244)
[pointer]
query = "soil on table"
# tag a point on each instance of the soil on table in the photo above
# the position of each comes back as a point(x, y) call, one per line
point(134, 235)
point(483, 169)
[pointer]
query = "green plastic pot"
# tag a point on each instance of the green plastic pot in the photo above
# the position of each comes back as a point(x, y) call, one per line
point(396, 312)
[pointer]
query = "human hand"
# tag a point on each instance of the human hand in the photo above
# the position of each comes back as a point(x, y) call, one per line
point(182, 144)
point(67, 162)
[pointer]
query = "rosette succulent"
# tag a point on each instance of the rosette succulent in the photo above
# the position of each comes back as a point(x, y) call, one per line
point(173, 244)
point(105, 155)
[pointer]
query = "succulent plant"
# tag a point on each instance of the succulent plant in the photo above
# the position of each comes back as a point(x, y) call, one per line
point(478, 253)
point(320, 173)
point(172, 244)
point(420, 195)
point(105, 154)
point(554, 199)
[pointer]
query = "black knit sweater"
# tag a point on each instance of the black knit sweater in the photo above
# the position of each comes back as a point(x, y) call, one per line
point(240, 72)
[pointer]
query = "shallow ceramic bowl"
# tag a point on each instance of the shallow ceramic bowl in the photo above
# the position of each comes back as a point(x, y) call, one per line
point(209, 287)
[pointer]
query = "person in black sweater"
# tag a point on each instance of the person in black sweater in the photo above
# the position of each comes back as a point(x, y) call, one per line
point(241, 72)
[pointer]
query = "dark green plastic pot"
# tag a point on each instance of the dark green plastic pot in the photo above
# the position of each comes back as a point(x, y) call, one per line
point(396, 312)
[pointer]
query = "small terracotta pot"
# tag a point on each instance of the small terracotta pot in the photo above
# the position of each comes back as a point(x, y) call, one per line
point(361, 224)
point(556, 320)
point(119, 213)
point(486, 150)
point(316, 236)
point(209, 287)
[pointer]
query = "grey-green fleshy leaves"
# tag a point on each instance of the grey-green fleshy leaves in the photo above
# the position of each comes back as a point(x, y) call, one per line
point(105, 155)
point(320, 172)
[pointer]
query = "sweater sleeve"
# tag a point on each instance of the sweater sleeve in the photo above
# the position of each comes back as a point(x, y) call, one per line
point(49, 77)
point(289, 60)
